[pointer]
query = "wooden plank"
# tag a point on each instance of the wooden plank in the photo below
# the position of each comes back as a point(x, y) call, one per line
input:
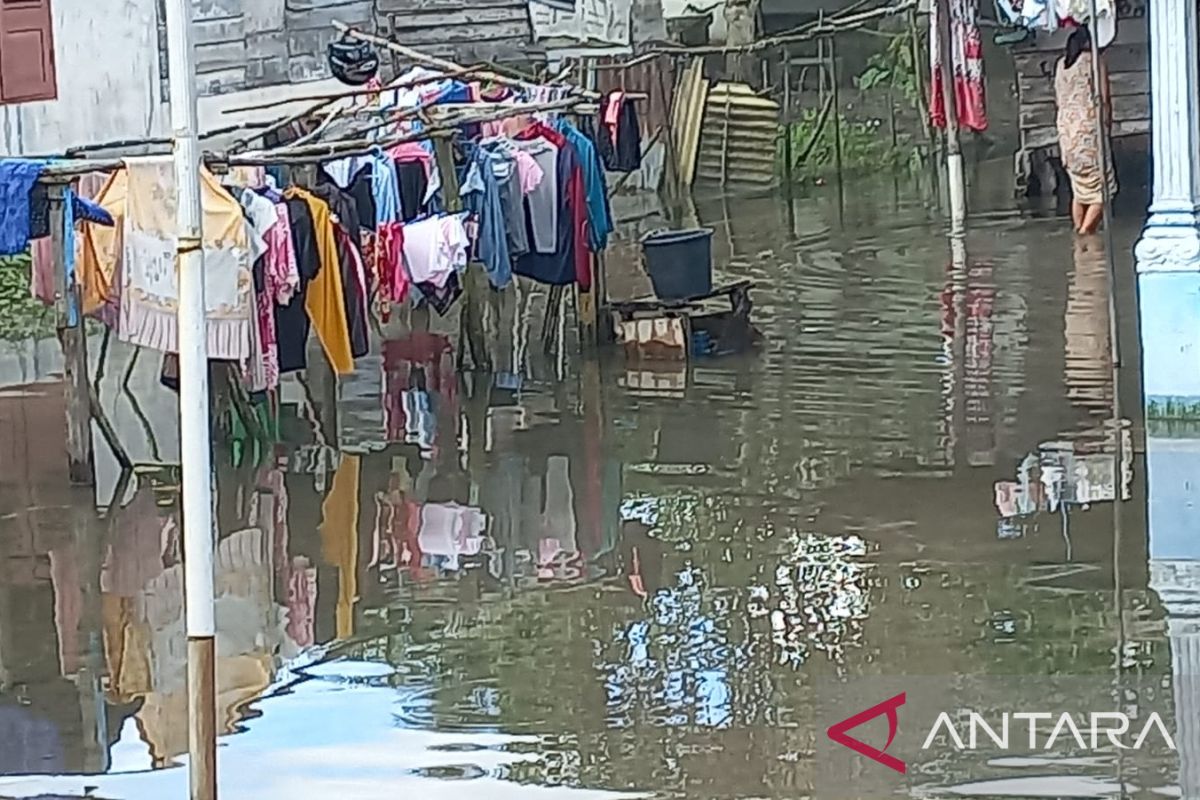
point(219, 57)
point(464, 33)
point(212, 31)
point(388, 7)
point(1118, 58)
point(356, 12)
point(1038, 138)
point(434, 19)
point(1127, 108)
point(80, 464)
point(222, 82)
point(1040, 90)
point(515, 50)
point(268, 44)
point(216, 9)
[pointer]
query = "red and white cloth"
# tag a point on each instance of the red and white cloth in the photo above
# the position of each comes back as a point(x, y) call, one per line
point(966, 50)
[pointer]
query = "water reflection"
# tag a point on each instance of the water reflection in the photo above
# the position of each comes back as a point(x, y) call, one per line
point(640, 580)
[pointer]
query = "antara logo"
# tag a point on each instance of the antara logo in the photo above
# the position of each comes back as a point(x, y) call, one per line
point(1099, 729)
point(837, 732)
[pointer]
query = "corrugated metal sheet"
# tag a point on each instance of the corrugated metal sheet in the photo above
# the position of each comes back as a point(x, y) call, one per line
point(738, 138)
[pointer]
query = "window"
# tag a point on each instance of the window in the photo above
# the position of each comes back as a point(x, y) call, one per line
point(26, 52)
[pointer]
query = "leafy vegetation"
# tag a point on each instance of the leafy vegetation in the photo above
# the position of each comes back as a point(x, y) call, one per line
point(868, 145)
point(21, 316)
point(893, 68)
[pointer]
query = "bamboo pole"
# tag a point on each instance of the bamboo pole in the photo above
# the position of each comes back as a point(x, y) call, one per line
point(81, 467)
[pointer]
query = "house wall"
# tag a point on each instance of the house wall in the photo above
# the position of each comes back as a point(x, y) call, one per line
point(111, 59)
point(109, 87)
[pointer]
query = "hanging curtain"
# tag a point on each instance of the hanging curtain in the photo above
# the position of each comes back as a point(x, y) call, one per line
point(966, 49)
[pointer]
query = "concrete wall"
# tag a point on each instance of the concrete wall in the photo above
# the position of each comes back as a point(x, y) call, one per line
point(112, 69)
point(108, 80)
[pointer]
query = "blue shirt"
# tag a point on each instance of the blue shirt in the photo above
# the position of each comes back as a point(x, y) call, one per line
point(385, 189)
point(481, 196)
point(595, 186)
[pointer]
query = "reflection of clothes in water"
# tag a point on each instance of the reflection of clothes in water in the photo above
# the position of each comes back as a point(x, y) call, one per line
point(450, 530)
point(1088, 358)
point(558, 515)
point(339, 539)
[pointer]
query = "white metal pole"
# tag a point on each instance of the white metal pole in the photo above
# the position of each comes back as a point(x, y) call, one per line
point(194, 427)
point(954, 159)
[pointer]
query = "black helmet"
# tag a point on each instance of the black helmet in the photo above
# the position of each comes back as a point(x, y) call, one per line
point(352, 61)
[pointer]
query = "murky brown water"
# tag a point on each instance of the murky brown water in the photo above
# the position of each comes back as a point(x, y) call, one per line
point(911, 487)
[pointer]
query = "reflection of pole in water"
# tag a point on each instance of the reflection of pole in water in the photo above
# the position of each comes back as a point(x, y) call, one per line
point(88, 544)
point(958, 300)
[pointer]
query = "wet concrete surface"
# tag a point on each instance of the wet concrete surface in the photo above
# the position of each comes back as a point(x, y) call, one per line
point(575, 580)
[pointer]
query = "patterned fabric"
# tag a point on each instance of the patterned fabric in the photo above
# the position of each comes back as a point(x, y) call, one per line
point(281, 278)
point(966, 50)
point(141, 252)
point(1077, 139)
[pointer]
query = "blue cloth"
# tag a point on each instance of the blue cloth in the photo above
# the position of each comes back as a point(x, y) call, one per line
point(17, 178)
point(481, 196)
point(595, 185)
point(385, 189)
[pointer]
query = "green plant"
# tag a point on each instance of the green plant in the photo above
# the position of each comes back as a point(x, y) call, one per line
point(865, 148)
point(21, 315)
point(892, 68)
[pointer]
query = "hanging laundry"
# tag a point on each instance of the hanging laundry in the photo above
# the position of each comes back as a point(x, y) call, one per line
point(543, 200)
point(1104, 26)
point(966, 59)
point(141, 198)
point(481, 197)
point(325, 296)
point(570, 262)
point(17, 179)
point(595, 185)
point(619, 134)
point(1031, 14)
point(435, 248)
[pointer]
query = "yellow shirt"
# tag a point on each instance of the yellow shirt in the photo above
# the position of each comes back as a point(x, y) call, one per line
point(325, 301)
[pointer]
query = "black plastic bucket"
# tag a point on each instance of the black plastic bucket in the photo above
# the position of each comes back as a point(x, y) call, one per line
point(679, 262)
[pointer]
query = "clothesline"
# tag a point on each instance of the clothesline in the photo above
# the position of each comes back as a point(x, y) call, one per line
point(316, 153)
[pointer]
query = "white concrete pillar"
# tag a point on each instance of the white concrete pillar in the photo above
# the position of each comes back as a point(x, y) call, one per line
point(1172, 237)
point(1177, 584)
point(1168, 265)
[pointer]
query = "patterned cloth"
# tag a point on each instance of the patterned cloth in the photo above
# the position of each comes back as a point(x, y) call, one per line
point(1077, 140)
point(966, 50)
point(140, 251)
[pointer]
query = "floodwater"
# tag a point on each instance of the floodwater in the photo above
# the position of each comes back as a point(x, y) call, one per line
point(923, 482)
